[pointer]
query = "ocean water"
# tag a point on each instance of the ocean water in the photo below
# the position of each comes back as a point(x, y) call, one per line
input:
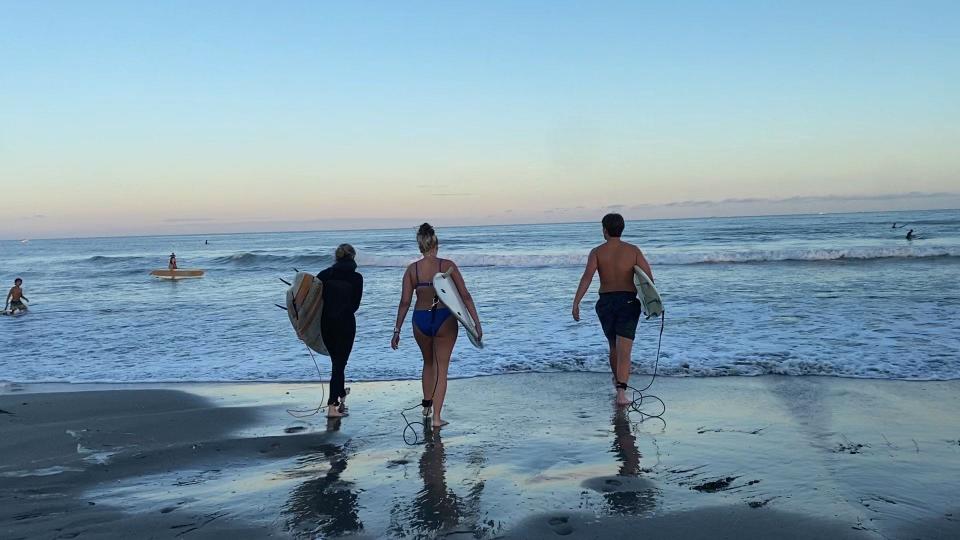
point(837, 295)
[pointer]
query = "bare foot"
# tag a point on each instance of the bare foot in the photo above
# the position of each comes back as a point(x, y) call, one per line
point(622, 400)
point(334, 412)
point(437, 422)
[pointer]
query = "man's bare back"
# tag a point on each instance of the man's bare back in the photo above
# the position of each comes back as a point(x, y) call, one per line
point(615, 260)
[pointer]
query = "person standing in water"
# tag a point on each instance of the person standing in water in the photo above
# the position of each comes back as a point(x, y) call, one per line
point(618, 308)
point(910, 235)
point(342, 291)
point(15, 298)
point(172, 263)
point(434, 327)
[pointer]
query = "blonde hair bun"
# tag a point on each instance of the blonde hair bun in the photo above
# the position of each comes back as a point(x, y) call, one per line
point(426, 238)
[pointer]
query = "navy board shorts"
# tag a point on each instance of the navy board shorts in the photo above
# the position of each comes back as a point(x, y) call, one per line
point(619, 314)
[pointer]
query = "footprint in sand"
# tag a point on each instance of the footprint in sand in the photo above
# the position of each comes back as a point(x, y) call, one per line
point(560, 525)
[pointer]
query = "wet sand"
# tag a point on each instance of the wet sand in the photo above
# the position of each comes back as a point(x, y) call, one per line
point(525, 456)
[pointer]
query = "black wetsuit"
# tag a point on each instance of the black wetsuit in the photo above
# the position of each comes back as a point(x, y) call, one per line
point(342, 290)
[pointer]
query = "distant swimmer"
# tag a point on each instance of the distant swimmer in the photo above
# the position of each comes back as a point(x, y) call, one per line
point(618, 308)
point(910, 235)
point(172, 265)
point(15, 298)
point(342, 291)
point(206, 242)
point(895, 225)
point(434, 326)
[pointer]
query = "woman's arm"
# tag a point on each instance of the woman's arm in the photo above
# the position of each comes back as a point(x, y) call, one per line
point(465, 295)
point(357, 292)
point(406, 295)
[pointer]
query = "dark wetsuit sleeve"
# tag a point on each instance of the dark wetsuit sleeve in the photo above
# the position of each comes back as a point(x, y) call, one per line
point(357, 291)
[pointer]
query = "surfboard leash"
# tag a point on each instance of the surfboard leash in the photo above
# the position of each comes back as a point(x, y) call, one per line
point(306, 413)
point(638, 394)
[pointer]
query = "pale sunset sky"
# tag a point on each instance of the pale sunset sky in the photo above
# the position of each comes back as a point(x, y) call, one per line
point(180, 117)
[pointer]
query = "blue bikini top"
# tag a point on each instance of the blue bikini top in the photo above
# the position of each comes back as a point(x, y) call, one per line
point(416, 268)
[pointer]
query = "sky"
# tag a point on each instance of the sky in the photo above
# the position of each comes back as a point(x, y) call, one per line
point(185, 117)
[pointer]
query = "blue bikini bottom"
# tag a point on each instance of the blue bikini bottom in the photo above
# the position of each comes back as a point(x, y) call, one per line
point(429, 321)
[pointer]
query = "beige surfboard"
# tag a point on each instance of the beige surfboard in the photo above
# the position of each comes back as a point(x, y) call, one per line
point(177, 274)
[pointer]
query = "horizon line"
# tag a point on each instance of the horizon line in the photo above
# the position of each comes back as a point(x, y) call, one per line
point(364, 229)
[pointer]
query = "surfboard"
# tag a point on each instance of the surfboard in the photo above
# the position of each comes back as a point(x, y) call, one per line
point(649, 297)
point(304, 306)
point(177, 274)
point(450, 296)
point(17, 313)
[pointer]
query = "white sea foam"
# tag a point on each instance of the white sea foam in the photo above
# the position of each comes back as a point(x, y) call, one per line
point(674, 257)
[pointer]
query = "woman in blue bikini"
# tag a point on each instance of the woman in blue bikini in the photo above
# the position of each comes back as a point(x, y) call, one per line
point(434, 327)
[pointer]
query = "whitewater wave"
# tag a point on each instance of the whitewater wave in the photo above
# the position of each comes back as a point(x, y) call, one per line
point(752, 256)
point(118, 259)
point(251, 259)
point(540, 260)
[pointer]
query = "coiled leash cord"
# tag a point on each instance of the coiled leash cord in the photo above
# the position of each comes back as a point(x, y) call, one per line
point(638, 394)
point(306, 413)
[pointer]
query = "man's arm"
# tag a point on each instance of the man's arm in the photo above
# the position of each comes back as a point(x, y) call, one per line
point(644, 265)
point(7, 303)
point(585, 282)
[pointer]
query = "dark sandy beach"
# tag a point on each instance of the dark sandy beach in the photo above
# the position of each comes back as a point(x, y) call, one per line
point(526, 456)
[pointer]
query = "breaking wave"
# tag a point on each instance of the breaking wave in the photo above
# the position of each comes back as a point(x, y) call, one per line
point(540, 260)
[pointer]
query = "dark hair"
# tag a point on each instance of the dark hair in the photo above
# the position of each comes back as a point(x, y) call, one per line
point(345, 251)
point(613, 224)
point(426, 238)
point(18, 280)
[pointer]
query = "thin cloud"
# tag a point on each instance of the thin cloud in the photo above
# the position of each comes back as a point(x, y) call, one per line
point(795, 199)
point(189, 220)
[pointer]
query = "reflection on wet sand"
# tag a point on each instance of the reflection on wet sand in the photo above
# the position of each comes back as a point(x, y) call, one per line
point(636, 495)
point(436, 508)
point(326, 505)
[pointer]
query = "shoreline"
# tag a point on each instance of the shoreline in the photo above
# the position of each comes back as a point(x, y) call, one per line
point(10, 386)
point(526, 456)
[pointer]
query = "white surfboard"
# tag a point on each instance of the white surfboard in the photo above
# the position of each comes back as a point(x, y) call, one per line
point(304, 307)
point(177, 274)
point(450, 296)
point(17, 313)
point(649, 297)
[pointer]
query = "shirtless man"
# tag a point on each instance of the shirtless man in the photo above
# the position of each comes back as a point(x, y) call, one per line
point(15, 298)
point(618, 307)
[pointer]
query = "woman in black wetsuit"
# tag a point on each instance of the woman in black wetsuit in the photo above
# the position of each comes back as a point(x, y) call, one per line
point(342, 291)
